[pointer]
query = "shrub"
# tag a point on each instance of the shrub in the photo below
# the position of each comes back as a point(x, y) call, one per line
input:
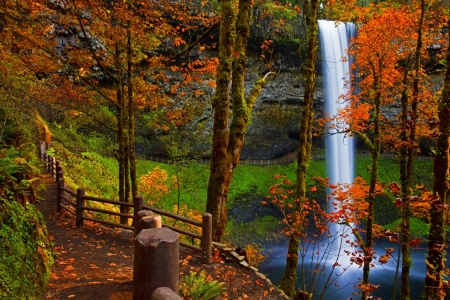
point(197, 286)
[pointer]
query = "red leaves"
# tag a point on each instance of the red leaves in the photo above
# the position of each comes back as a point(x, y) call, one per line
point(394, 188)
point(414, 243)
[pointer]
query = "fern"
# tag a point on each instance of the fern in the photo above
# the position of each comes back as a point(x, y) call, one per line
point(198, 287)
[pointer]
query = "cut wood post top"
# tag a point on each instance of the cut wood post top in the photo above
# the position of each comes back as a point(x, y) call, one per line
point(152, 237)
point(150, 222)
point(164, 293)
point(144, 213)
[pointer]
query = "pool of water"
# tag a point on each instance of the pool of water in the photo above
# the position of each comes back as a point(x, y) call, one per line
point(345, 277)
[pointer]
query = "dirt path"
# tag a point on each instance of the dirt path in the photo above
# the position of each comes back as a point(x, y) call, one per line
point(94, 262)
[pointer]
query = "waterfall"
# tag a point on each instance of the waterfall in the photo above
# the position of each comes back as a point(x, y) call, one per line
point(339, 148)
point(334, 41)
point(340, 169)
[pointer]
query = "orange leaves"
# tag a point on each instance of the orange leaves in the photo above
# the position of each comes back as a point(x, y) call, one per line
point(154, 184)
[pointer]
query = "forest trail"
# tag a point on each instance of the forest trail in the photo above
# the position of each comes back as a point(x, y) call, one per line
point(95, 262)
point(92, 262)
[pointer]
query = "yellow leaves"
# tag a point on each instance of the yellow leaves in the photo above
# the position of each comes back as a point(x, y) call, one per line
point(154, 184)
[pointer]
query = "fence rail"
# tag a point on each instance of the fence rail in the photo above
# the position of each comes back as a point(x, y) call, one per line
point(286, 159)
point(78, 207)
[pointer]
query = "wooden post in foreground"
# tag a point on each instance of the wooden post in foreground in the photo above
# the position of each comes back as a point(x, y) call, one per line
point(164, 293)
point(155, 262)
point(79, 211)
point(207, 238)
point(148, 222)
point(139, 215)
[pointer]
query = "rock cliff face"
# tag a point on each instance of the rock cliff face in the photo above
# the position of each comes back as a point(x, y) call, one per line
point(274, 127)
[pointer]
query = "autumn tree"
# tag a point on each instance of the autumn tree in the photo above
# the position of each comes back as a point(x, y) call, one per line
point(105, 60)
point(228, 137)
point(435, 287)
point(310, 13)
point(384, 41)
point(410, 129)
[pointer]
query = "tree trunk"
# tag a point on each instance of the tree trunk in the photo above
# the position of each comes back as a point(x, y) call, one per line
point(407, 162)
point(434, 287)
point(287, 283)
point(121, 142)
point(131, 120)
point(368, 251)
point(227, 143)
point(219, 166)
point(405, 181)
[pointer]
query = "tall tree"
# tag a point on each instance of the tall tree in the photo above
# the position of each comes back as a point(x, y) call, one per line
point(310, 13)
point(383, 43)
point(105, 58)
point(435, 261)
point(228, 138)
point(408, 149)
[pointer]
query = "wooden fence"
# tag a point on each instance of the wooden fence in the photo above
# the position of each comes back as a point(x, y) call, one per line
point(287, 159)
point(75, 203)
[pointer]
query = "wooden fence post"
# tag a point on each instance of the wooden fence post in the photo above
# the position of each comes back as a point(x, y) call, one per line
point(60, 185)
point(53, 168)
point(58, 166)
point(138, 202)
point(59, 172)
point(156, 261)
point(139, 215)
point(79, 209)
point(207, 238)
point(148, 222)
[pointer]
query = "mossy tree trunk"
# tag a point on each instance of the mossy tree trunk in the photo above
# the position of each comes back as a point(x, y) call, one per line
point(287, 283)
point(435, 261)
point(219, 177)
point(407, 156)
point(228, 139)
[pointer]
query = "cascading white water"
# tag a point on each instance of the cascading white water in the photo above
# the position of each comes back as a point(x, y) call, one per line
point(339, 148)
point(334, 41)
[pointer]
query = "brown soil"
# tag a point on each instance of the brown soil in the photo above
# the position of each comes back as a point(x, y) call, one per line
point(96, 262)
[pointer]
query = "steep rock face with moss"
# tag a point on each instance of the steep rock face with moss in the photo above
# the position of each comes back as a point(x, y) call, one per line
point(274, 127)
